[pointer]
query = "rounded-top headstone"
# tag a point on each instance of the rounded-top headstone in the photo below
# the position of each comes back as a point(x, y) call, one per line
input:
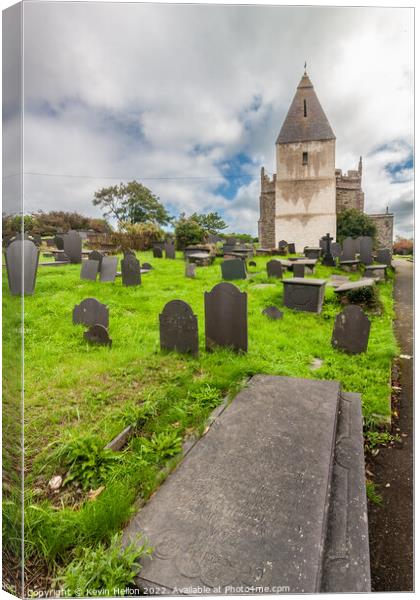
point(178, 328)
point(351, 330)
point(98, 335)
point(91, 312)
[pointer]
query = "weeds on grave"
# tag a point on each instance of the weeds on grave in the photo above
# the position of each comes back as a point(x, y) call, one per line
point(374, 439)
point(372, 494)
point(159, 447)
point(104, 570)
point(366, 297)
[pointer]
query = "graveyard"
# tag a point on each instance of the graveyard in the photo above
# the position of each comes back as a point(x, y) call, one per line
point(85, 395)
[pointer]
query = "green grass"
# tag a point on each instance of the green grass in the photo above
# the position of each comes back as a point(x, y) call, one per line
point(73, 389)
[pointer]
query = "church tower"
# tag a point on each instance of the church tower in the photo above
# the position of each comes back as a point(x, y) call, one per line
point(303, 198)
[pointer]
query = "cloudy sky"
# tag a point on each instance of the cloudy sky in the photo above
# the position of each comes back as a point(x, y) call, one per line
point(189, 100)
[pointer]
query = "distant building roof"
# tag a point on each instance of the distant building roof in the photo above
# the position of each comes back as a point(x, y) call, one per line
point(305, 120)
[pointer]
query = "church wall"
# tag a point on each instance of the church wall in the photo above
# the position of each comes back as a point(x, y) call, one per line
point(385, 229)
point(349, 191)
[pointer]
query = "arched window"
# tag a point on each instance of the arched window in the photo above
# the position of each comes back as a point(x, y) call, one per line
point(305, 158)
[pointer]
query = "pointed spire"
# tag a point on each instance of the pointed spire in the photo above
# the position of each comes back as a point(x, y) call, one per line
point(305, 120)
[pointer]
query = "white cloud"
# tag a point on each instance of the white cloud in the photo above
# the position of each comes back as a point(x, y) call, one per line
point(143, 90)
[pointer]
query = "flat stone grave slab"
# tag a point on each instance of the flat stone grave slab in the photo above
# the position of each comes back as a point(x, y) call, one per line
point(21, 253)
point(178, 328)
point(310, 263)
point(233, 269)
point(375, 270)
point(349, 265)
point(354, 285)
point(304, 294)
point(351, 330)
point(248, 504)
point(226, 317)
point(91, 312)
point(108, 269)
point(274, 269)
point(89, 270)
point(337, 280)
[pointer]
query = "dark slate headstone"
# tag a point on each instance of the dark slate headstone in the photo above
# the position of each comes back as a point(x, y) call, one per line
point(129, 252)
point(98, 256)
point(226, 317)
point(59, 241)
point(304, 294)
point(384, 256)
point(357, 244)
point(328, 259)
point(272, 312)
point(351, 330)
point(282, 244)
point(233, 269)
point(73, 247)
point(274, 269)
point(147, 266)
point(89, 269)
point(108, 268)
point(298, 270)
point(21, 253)
point(130, 270)
point(252, 263)
point(313, 253)
point(91, 312)
point(157, 252)
point(291, 248)
point(190, 269)
point(61, 257)
point(349, 249)
point(98, 335)
point(170, 250)
point(323, 244)
point(178, 328)
point(366, 247)
point(336, 249)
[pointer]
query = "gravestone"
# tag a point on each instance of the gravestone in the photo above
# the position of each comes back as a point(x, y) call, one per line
point(89, 270)
point(98, 256)
point(178, 328)
point(91, 312)
point(323, 244)
point(72, 246)
point(130, 270)
point(291, 248)
point(313, 253)
point(282, 244)
point(18, 254)
point(349, 249)
point(157, 252)
point(59, 241)
point(366, 247)
point(170, 250)
point(336, 249)
point(376, 271)
point(274, 269)
point(272, 312)
point(328, 259)
point(61, 257)
point(357, 242)
point(190, 270)
point(97, 335)
point(129, 252)
point(298, 270)
point(304, 294)
point(384, 256)
point(226, 318)
point(108, 269)
point(351, 330)
point(233, 269)
point(252, 263)
point(147, 266)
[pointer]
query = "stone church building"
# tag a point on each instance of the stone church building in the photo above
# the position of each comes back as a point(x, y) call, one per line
point(300, 202)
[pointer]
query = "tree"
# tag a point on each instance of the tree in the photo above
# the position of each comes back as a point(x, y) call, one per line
point(210, 222)
point(352, 223)
point(132, 203)
point(188, 231)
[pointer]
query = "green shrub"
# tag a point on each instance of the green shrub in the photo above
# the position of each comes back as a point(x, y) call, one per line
point(137, 236)
point(352, 223)
point(103, 571)
point(365, 296)
point(372, 494)
point(188, 231)
point(87, 461)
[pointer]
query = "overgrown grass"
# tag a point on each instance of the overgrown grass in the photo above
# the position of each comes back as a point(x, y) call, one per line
point(73, 388)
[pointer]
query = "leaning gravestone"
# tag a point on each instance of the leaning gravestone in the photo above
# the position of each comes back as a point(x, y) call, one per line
point(298, 270)
point(98, 335)
point(272, 312)
point(91, 312)
point(98, 256)
point(233, 269)
point(384, 256)
point(351, 330)
point(226, 319)
point(178, 328)
point(73, 246)
point(274, 269)
point(366, 247)
point(157, 252)
point(108, 268)
point(89, 270)
point(130, 270)
point(21, 253)
point(190, 270)
point(170, 250)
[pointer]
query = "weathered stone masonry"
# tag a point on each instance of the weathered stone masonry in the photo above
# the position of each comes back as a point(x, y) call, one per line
point(349, 192)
